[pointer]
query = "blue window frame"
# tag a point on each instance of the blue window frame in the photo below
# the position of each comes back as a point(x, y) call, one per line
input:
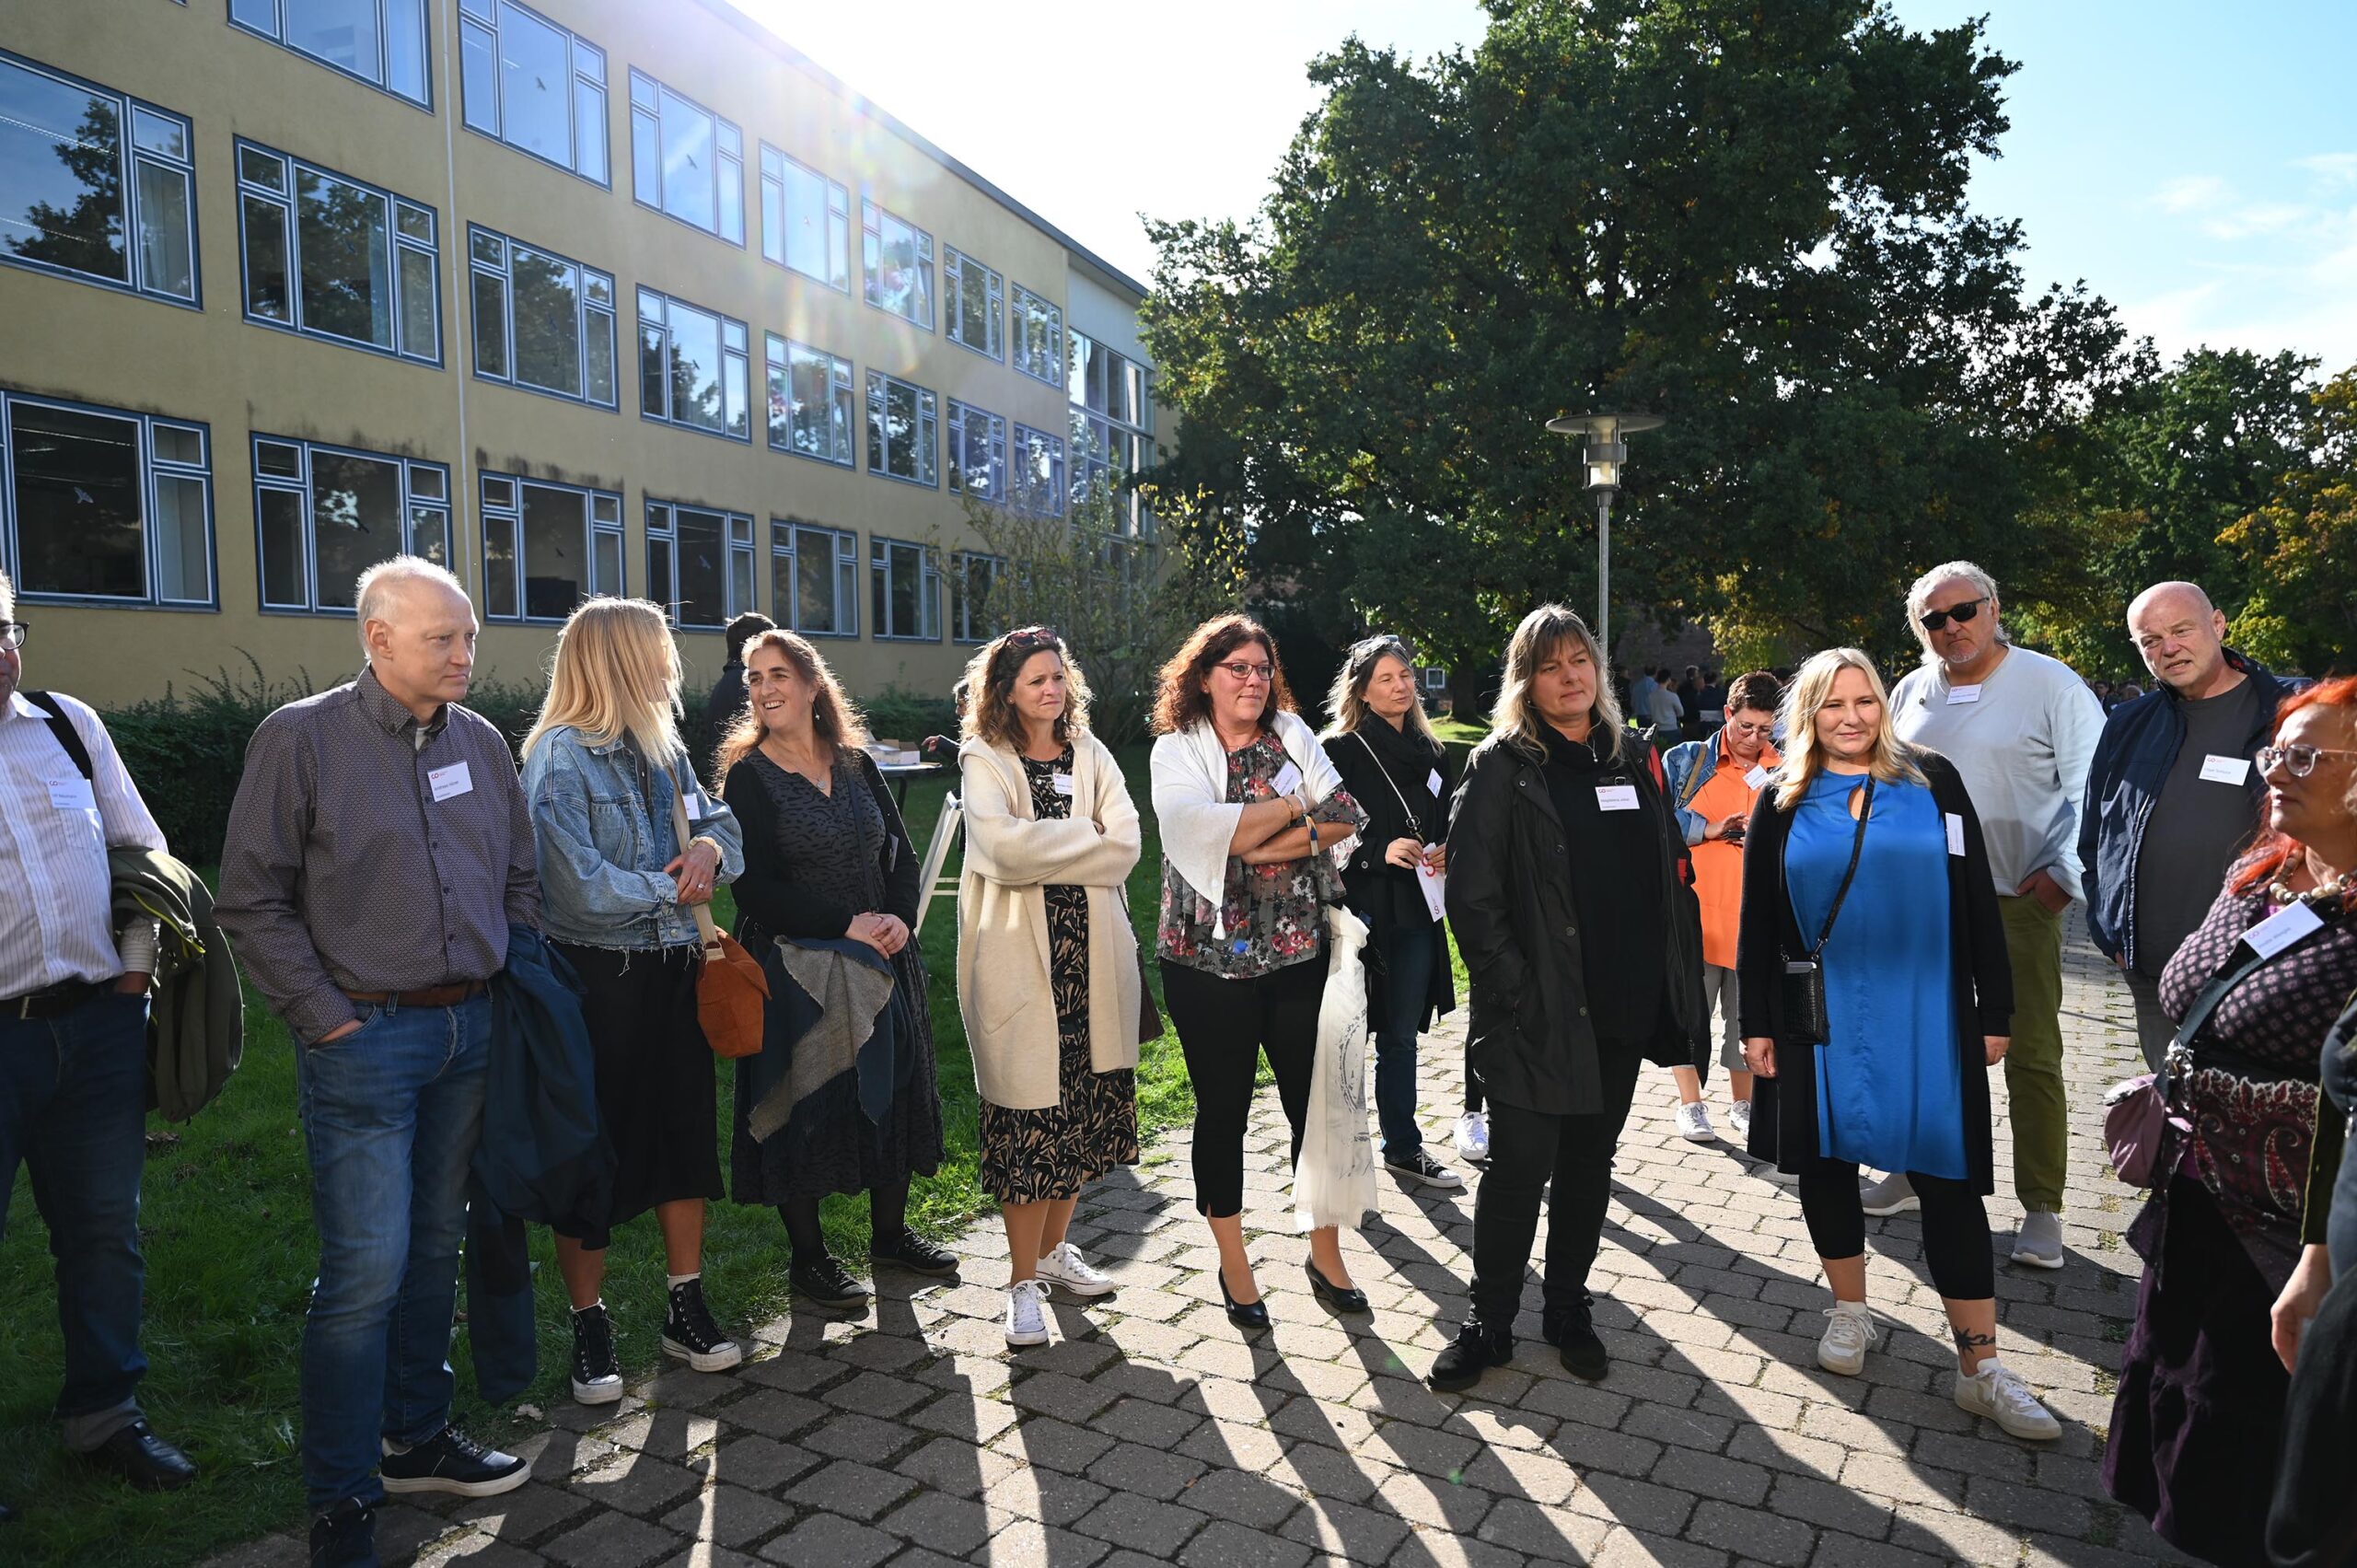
point(1038, 486)
point(1038, 333)
point(694, 368)
point(542, 321)
point(535, 86)
point(904, 595)
point(381, 43)
point(699, 563)
point(102, 505)
point(810, 401)
point(324, 515)
point(546, 547)
point(974, 304)
point(686, 160)
point(814, 578)
point(972, 575)
point(897, 258)
point(806, 220)
point(902, 430)
point(977, 453)
point(333, 257)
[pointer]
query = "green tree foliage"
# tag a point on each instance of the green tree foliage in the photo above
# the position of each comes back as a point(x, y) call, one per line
point(1750, 218)
point(87, 236)
point(2300, 549)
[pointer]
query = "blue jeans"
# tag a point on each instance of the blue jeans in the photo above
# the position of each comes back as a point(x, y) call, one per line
point(74, 1108)
point(391, 1114)
point(1409, 954)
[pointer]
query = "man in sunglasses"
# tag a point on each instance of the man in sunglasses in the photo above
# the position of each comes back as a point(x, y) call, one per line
point(2021, 728)
point(2173, 770)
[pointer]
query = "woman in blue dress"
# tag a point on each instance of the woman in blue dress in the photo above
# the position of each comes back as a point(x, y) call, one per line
point(1867, 854)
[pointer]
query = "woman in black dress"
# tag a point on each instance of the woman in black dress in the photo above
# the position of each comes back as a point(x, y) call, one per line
point(827, 858)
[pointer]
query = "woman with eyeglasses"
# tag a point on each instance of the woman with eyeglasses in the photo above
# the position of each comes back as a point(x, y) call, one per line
point(1250, 813)
point(2228, 1252)
point(1048, 969)
point(1383, 747)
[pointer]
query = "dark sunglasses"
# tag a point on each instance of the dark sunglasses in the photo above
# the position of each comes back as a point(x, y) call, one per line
point(1959, 614)
point(1033, 637)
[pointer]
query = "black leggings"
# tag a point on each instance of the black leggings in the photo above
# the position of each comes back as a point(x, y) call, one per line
point(1956, 1226)
point(887, 1216)
point(1224, 1025)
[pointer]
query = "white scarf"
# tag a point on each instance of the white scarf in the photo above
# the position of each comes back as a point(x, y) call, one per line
point(1194, 815)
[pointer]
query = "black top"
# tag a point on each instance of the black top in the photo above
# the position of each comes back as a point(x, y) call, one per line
point(796, 881)
point(1615, 885)
point(728, 699)
point(1390, 772)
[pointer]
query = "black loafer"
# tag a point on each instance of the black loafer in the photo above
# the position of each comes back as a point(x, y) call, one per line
point(1476, 1349)
point(917, 1255)
point(1341, 1298)
point(144, 1460)
point(1243, 1314)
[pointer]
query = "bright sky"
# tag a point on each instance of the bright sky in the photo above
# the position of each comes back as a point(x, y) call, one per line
point(2197, 165)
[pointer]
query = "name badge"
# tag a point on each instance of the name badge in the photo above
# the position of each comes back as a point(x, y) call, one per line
point(1288, 778)
point(447, 782)
point(1616, 797)
point(1062, 783)
point(2282, 928)
point(71, 794)
point(1956, 833)
point(1757, 777)
point(2225, 770)
point(1963, 694)
point(1433, 783)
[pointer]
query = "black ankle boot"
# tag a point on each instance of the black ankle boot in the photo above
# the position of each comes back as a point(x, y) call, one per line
point(1476, 1349)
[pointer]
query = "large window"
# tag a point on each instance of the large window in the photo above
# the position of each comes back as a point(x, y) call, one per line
point(104, 504)
point(1038, 486)
point(971, 577)
point(898, 262)
point(974, 295)
point(977, 453)
point(1113, 426)
point(380, 41)
point(542, 321)
point(901, 429)
point(334, 258)
point(693, 367)
point(810, 412)
point(1039, 337)
point(806, 220)
point(547, 547)
point(904, 595)
point(686, 160)
point(700, 563)
point(814, 578)
point(533, 84)
point(95, 185)
point(324, 515)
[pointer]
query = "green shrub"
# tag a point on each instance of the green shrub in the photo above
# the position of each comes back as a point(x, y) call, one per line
point(899, 714)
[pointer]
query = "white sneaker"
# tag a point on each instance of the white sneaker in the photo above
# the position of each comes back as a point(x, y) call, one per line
point(1472, 1135)
point(1064, 1266)
point(1694, 1124)
point(1997, 1392)
point(2038, 1243)
point(1894, 1194)
point(1739, 1117)
point(1026, 1321)
point(1849, 1334)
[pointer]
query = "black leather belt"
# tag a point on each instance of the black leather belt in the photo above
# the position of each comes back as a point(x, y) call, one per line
point(54, 1001)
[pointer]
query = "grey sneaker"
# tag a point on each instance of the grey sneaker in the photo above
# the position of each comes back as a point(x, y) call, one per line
point(2040, 1241)
point(1894, 1194)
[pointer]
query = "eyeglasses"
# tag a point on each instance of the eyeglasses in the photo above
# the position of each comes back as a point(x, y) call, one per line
point(2297, 761)
point(1242, 671)
point(1957, 613)
point(12, 634)
point(1761, 730)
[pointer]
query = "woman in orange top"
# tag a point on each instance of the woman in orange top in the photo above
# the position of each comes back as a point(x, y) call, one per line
point(1712, 783)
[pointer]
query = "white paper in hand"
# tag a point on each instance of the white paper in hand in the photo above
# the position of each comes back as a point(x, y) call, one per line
point(1435, 890)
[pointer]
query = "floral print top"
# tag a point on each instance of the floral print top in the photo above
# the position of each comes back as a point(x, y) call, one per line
point(1274, 914)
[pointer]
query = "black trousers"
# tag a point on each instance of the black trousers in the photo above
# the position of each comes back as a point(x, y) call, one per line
point(1956, 1226)
point(1528, 1150)
point(1224, 1026)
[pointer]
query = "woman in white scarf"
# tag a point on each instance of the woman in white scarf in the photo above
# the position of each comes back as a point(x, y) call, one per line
point(1249, 811)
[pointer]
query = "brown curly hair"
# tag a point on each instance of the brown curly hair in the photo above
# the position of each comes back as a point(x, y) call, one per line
point(990, 684)
point(1181, 702)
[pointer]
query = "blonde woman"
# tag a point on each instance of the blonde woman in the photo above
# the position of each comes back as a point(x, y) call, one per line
point(1047, 963)
point(602, 766)
point(1866, 857)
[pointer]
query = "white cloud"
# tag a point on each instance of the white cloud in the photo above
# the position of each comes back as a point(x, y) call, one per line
point(2190, 193)
point(2337, 169)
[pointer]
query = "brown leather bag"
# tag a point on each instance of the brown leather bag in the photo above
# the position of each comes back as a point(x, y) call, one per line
point(731, 990)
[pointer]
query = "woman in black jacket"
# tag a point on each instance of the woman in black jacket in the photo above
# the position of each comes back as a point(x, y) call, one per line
point(1394, 767)
point(1584, 944)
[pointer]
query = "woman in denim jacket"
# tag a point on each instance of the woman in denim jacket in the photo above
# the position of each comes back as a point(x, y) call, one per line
point(601, 766)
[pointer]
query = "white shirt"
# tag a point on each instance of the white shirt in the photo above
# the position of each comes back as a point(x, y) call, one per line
point(53, 880)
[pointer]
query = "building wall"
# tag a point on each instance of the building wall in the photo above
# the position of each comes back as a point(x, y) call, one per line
point(73, 341)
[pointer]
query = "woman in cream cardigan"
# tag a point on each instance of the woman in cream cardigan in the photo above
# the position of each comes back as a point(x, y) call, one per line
point(1048, 974)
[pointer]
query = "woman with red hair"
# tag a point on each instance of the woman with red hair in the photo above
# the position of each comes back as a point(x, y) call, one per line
point(2196, 1425)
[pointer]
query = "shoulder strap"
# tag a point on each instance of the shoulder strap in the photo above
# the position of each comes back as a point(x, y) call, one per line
point(705, 929)
point(1857, 848)
point(1694, 777)
point(2242, 962)
point(62, 727)
point(1384, 774)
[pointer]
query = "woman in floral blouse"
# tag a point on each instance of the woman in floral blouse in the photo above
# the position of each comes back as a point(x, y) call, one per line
point(1250, 812)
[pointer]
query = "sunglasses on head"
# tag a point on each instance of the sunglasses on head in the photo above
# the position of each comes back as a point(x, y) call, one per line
point(1957, 613)
point(1033, 637)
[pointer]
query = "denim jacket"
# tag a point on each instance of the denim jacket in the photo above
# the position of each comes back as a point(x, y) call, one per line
point(1679, 781)
point(603, 845)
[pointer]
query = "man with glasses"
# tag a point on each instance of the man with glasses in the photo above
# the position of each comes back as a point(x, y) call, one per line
point(2021, 728)
point(74, 1050)
point(2173, 770)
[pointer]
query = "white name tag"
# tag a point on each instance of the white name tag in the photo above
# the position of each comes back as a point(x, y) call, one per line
point(2282, 928)
point(1435, 890)
point(1616, 797)
point(452, 780)
point(2225, 770)
point(1433, 783)
point(1754, 779)
point(1963, 694)
point(1956, 833)
point(694, 803)
point(1288, 778)
point(71, 794)
point(1062, 783)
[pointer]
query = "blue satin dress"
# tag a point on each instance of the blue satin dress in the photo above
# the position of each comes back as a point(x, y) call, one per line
point(1888, 1084)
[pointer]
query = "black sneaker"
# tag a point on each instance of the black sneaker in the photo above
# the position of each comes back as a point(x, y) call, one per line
point(453, 1462)
point(917, 1255)
point(345, 1537)
point(1570, 1330)
point(1476, 1349)
point(691, 1335)
point(596, 1370)
point(1422, 1169)
point(825, 1282)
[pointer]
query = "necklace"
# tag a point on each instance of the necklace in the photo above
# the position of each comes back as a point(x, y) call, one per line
point(2333, 888)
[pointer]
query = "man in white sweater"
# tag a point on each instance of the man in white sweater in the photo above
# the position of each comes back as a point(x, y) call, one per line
point(2021, 728)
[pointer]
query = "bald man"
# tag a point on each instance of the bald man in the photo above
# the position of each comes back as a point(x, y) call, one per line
point(2173, 770)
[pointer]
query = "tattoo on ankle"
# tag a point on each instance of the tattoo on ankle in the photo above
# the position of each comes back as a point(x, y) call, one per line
point(1968, 1342)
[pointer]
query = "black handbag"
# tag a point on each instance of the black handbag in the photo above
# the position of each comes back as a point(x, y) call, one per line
point(1802, 993)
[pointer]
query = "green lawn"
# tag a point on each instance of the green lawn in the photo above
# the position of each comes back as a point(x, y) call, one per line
point(230, 1253)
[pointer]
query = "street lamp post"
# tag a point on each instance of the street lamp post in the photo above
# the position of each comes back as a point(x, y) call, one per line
point(1605, 452)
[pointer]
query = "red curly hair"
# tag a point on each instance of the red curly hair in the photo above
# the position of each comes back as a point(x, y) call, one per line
point(2266, 859)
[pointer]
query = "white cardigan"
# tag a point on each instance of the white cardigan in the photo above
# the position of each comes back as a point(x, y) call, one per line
point(1196, 818)
point(1003, 993)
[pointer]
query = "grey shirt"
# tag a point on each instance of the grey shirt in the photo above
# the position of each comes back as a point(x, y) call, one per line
point(2196, 829)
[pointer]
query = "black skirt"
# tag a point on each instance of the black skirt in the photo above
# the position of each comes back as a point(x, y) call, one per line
point(657, 1091)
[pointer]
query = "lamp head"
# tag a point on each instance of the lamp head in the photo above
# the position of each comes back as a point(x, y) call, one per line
point(1606, 450)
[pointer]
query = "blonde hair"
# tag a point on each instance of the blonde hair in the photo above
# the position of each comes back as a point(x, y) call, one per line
point(612, 659)
point(1892, 760)
point(990, 714)
point(1346, 706)
point(833, 718)
point(1543, 635)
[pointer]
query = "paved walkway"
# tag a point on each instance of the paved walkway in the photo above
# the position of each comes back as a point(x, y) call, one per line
point(1151, 1431)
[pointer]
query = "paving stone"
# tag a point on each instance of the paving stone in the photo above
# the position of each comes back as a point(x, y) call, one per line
point(1054, 1445)
point(1132, 1467)
point(956, 1467)
point(1752, 1534)
point(1045, 1496)
point(528, 1514)
point(761, 1464)
point(1712, 1475)
point(639, 1485)
point(1346, 1531)
point(845, 1434)
point(1625, 1548)
point(1141, 1524)
point(848, 1487)
point(824, 1540)
point(728, 1515)
point(1226, 1544)
point(610, 1541)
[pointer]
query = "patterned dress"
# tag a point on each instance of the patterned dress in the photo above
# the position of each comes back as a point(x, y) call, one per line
point(1030, 1156)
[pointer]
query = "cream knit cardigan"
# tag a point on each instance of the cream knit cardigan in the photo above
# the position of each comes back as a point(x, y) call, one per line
point(1003, 988)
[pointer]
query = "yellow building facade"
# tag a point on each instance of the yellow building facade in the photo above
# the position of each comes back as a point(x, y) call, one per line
point(589, 296)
